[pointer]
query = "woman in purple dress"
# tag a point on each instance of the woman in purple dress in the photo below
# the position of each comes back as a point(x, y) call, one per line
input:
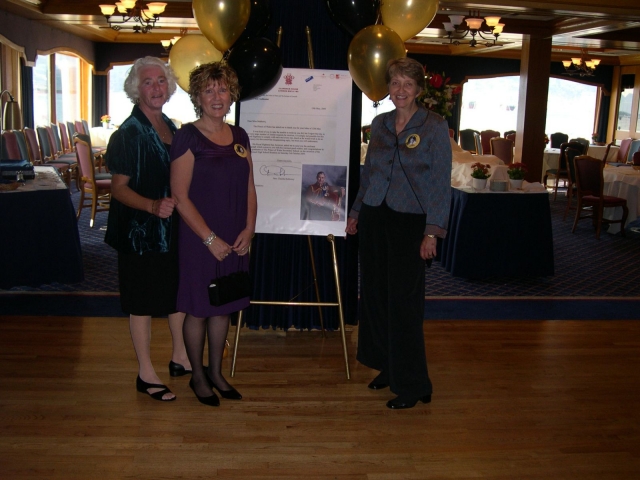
point(212, 182)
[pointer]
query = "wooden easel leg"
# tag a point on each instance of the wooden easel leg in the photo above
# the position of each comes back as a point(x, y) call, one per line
point(235, 343)
point(331, 240)
point(315, 282)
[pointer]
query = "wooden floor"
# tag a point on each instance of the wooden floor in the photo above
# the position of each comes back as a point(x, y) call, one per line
point(512, 400)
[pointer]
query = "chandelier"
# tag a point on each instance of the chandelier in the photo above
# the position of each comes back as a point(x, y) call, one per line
point(473, 28)
point(168, 44)
point(136, 11)
point(580, 66)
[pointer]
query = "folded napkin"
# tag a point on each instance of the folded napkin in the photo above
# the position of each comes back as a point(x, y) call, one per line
point(533, 187)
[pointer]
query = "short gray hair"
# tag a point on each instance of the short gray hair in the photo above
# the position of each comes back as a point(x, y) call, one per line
point(132, 82)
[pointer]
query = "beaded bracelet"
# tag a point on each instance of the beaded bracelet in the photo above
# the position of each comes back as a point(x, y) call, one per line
point(209, 240)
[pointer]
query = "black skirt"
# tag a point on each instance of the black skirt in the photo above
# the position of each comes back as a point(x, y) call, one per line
point(148, 283)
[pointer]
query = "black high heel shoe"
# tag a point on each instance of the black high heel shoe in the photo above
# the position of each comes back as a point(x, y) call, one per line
point(232, 394)
point(401, 401)
point(212, 400)
point(379, 382)
point(177, 370)
point(143, 387)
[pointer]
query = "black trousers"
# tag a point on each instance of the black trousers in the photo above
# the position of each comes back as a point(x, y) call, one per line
point(392, 284)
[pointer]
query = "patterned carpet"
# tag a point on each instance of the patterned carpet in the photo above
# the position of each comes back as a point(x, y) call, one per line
point(585, 267)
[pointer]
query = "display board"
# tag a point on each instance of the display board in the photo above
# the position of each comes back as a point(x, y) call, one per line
point(299, 133)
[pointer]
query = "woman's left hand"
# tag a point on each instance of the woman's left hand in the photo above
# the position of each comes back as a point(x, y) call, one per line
point(428, 248)
point(241, 245)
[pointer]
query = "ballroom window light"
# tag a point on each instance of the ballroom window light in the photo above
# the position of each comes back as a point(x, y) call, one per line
point(456, 32)
point(135, 11)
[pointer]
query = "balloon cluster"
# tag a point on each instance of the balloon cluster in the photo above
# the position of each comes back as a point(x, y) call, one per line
point(374, 45)
point(235, 28)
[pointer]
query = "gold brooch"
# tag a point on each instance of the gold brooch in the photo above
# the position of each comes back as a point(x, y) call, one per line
point(240, 150)
point(412, 140)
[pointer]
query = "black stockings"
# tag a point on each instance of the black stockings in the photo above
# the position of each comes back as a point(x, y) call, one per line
point(194, 332)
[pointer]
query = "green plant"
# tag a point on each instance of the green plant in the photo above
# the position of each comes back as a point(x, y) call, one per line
point(517, 171)
point(480, 170)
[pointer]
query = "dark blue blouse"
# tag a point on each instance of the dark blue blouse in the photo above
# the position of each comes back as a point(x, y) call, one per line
point(135, 150)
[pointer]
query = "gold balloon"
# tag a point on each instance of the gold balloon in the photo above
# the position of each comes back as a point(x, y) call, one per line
point(369, 52)
point(408, 17)
point(190, 52)
point(222, 21)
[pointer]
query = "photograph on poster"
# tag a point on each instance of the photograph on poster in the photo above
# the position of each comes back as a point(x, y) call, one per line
point(323, 193)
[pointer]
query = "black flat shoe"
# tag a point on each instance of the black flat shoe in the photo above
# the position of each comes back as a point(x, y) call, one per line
point(212, 400)
point(401, 401)
point(232, 394)
point(379, 382)
point(177, 370)
point(143, 387)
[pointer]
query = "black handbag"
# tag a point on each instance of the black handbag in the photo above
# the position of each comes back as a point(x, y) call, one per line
point(229, 288)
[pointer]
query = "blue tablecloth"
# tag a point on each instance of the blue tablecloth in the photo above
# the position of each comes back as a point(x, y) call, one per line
point(498, 234)
point(39, 243)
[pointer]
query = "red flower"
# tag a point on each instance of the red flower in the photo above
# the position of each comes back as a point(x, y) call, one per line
point(436, 80)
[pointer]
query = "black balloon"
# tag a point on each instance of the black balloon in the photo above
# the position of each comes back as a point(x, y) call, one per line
point(258, 22)
point(353, 15)
point(258, 63)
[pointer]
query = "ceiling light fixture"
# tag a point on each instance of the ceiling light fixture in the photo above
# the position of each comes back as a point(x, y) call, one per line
point(168, 44)
point(580, 65)
point(133, 10)
point(473, 28)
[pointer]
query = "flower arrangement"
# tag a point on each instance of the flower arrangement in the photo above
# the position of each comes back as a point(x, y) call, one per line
point(105, 119)
point(480, 170)
point(438, 95)
point(366, 133)
point(517, 171)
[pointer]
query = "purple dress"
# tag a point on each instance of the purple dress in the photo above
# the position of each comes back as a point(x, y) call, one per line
point(218, 190)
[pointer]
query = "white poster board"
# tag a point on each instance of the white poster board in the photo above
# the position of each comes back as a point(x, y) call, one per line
point(299, 133)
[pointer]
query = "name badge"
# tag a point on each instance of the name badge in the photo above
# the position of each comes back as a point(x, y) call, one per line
point(412, 140)
point(240, 150)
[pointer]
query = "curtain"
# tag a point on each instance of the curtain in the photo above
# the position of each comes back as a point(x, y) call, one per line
point(99, 106)
point(26, 80)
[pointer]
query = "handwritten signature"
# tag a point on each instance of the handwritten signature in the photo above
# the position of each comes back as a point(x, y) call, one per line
point(279, 170)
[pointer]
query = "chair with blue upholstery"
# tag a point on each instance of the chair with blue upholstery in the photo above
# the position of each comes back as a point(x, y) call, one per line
point(558, 139)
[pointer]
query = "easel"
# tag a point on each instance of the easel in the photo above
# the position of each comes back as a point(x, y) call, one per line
point(318, 303)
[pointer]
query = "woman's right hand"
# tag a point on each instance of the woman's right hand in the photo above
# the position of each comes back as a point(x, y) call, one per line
point(219, 249)
point(352, 226)
point(163, 207)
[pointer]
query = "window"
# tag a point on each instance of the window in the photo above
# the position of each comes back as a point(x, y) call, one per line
point(179, 106)
point(41, 89)
point(62, 89)
point(369, 112)
point(492, 104)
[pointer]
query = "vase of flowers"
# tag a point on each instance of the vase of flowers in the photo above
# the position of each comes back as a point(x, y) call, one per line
point(106, 121)
point(438, 95)
point(516, 172)
point(479, 175)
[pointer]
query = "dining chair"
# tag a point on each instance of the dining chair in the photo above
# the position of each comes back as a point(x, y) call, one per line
point(512, 137)
point(71, 126)
point(477, 140)
point(585, 143)
point(486, 136)
point(633, 148)
point(466, 139)
point(95, 190)
point(85, 124)
point(636, 159)
point(503, 149)
point(570, 155)
point(79, 127)
point(10, 146)
point(22, 144)
point(558, 139)
point(509, 132)
point(591, 199)
point(562, 172)
point(64, 138)
point(47, 155)
point(58, 155)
